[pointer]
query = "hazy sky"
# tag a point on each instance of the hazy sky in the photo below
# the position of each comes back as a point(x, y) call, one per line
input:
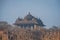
point(47, 10)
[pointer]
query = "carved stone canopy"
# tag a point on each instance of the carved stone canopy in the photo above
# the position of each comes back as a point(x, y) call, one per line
point(29, 19)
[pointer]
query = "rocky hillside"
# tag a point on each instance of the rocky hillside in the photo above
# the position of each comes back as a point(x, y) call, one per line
point(16, 33)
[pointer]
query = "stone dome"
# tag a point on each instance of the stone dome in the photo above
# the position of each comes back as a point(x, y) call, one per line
point(29, 16)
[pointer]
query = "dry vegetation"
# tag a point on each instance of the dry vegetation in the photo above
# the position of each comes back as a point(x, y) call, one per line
point(16, 33)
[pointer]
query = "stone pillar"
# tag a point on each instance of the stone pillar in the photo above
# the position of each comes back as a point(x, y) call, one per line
point(35, 26)
point(23, 27)
point(32, 28)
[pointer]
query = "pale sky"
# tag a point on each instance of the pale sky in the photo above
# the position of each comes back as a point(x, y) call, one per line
point(47, 10)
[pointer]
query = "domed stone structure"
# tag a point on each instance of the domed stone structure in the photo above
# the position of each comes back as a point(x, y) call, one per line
point(29, 21)
point(29, 17)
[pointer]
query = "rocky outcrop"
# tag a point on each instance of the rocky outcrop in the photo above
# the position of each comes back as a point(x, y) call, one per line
point(13, 32)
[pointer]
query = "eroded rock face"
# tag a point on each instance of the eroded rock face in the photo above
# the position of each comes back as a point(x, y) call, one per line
point(23, 34)
point(10, 32)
